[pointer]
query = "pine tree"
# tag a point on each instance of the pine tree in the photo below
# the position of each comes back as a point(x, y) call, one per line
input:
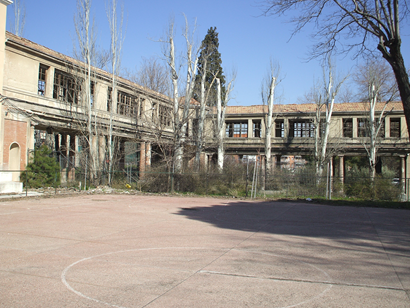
point(44, 171)
point(209, 50)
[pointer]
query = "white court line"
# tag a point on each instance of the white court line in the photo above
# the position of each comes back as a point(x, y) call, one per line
point(69, 287)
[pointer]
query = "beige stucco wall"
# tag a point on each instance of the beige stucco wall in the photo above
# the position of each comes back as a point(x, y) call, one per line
point(21, 73)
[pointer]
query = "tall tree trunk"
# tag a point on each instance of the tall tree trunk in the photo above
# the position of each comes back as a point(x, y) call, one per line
point(201, 120)
point(268, 131)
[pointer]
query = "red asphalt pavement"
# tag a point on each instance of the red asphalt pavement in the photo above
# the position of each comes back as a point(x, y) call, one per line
point(159, 251)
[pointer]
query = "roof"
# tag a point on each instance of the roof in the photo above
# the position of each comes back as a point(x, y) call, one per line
point(307, 108)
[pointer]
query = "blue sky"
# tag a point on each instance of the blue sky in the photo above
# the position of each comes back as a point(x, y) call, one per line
point(247, 41)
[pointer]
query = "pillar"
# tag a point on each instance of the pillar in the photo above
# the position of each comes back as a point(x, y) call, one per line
point(250, 128)
point(403, 173)
point(142, 159)
point(148, 154)
point(342, 168)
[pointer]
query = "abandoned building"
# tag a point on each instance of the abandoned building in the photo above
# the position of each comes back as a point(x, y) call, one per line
point(41, 103)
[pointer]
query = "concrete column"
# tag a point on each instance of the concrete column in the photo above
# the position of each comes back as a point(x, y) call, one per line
point(76, 150)
point(49, 82)
point(286, 128)
point(403, 172)
point(250, 128)
point(387, 126)
point(332, 163)
point(342, 168)
point(354, 127)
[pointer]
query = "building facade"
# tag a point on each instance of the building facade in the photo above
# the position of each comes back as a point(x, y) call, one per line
point(42, 102)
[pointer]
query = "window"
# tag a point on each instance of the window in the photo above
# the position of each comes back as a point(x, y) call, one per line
point(362, 128)
point(65, 88)
point(42, 80)
point(279, 129)
point(256, 129)
point(164, 115)
point(237, 129)
point(142, 103)
point(348, 128)
point(153, 111)
point(126, 104)
point(301, 128)
point(92, 88)
point(109, 98)
point(395, 128)
point(195, 127)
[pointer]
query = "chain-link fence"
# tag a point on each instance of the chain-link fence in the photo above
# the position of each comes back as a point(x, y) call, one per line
point(245, 182)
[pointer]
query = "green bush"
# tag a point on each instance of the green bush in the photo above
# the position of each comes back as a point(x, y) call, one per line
point(43, 171)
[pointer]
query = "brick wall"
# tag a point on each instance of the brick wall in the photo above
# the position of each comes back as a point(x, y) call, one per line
point(15, 131)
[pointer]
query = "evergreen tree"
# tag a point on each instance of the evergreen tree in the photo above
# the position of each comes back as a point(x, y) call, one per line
point(209, 50)
point(44, 171)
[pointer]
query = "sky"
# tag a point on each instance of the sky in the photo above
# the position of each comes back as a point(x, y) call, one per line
point(248, 42)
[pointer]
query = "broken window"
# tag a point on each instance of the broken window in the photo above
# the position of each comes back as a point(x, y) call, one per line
point(237, 129)
point(153, 111)
point(195, 127)
point(92, 88)
point(348, 128)
point(164, 115)
point(256, 129)
point(126, 104)
point(395, 128)
point(141, 106)
point(362, 128)
point(279, 129)
point(109, 99)
point(42, 80)
point(301, 128)
point(66, 89)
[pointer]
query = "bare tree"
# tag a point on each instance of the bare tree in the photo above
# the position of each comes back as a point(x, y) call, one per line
point(84, 28)
point(153, 75)
point(221, 104)
point(181, 117)
point(116, 48)
point(325, 100)
point(19, 18)
point(363, 21)
point(376, 80)
point(268, 98)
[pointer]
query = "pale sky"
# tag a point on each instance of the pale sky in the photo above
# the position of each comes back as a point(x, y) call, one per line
point(247, 40)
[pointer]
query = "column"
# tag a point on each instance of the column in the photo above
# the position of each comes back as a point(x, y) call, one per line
point(342, 168)
point(250, 128)
point(142, 159)
point(403, 173)
point(148, 154)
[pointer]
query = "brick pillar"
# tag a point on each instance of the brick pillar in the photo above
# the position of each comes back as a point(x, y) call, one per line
point(142, 159)
point(148, 154)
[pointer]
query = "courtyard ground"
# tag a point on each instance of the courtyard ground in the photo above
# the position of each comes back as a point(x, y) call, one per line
point(159, 251)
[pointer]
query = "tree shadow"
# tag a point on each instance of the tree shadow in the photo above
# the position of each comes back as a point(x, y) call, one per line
point(354, 226)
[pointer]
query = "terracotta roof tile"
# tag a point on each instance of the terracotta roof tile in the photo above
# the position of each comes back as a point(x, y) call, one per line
point(309, 108)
